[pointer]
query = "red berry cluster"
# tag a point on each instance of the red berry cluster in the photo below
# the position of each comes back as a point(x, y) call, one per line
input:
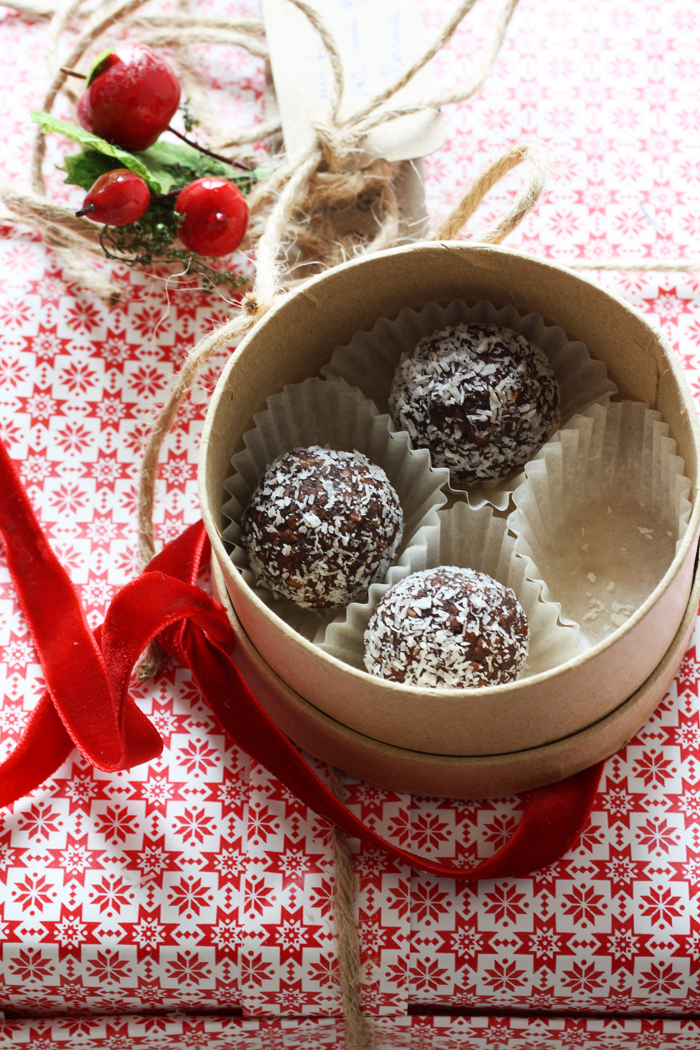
point(131, 97)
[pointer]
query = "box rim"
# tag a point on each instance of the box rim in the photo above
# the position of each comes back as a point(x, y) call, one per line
point(459, 248)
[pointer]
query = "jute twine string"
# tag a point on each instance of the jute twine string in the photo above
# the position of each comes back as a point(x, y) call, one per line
point(358, 1029)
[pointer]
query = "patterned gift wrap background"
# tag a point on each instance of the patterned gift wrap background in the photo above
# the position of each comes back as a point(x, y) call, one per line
point(197, 883)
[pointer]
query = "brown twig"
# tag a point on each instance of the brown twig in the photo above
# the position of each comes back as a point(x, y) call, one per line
point(210, 153)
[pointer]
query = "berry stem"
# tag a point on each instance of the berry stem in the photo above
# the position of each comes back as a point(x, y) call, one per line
point(73, 73)
point(209, 153)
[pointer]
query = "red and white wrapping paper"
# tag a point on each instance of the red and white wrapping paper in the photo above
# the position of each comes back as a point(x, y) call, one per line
point(188, 903)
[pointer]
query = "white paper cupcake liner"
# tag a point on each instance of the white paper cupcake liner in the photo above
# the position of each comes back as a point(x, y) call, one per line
point(601, 513)
point(317, 412)
point(479, 540)
point(370, 359)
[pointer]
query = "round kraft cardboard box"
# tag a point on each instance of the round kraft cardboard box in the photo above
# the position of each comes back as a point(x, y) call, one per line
point(298, 337)
point(451, 776)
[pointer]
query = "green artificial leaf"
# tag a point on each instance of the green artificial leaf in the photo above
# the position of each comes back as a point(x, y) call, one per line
point(165, 166)
point(188, 161)
point(157, 178)
point(84, 168)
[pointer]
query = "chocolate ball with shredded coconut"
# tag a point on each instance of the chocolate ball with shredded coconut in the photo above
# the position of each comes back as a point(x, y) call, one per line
point(447, 628)
point(482, 399)
point(322, 526)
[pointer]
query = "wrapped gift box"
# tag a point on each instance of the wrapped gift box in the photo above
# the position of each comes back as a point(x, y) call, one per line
point(187, 903)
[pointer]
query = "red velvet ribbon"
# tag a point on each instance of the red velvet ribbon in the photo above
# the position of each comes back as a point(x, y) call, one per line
point(87, 703)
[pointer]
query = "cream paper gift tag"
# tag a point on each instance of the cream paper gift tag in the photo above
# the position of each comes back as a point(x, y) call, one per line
point(378, 40)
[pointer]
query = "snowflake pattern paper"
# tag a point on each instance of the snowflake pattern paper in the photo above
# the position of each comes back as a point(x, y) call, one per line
point(197, 884)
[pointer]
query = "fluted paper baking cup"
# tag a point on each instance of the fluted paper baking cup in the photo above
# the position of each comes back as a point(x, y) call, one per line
point(604, 506)
point(330, 414)
point(370, 359)
point(475, 539)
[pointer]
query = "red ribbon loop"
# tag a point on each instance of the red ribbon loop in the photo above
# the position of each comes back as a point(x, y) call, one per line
point(87, 702)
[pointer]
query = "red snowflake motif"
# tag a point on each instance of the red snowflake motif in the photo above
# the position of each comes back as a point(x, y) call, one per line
point(10, 432)
point(190, 896)
point(257, 895)
point(399, 898)
point(116, 823)
point(690, 224)
point(564, 223)
point(71, 559)
point(78, 377)
point(188, 969)
point(504, 903)
point(108, 967)
point(30, 965)
point(496, 119)
point(148, 933)
point(499, 830)
point(400, 828)
point(194, 825)
point(660, 979)
point(147, 380)
point(505, 977)
point(630, 223)
point(325, 971)
point(428, 902)
point(627, 169)
point(657, 835)
point(111, 894)
point(74, 438)
point(196, 757)
point(15, 314)
point(590, 837)
point(262, 825)
point(397, 973)
point(70, 932)
point(34, 893)
point(427, 975)
point(147, 321)
point(83, 317)
point(583, 978)
point(584, 905)
point(428, 832)
point(661, 906)
point(689, 171)
point(40, 821)
point(68, 499)
point(689, 671)
point(561, 118)
point(653, 768)
point(321, 897)
point(136, 439)
point(226, 934)
point(254, 971)
point(618, 801)
point(624, 117)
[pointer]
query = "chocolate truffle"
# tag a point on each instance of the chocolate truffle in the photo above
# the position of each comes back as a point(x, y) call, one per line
point(447, 628)
point(321, 527)
point(482, 399)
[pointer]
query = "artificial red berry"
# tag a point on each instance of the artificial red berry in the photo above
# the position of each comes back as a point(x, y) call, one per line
point(117, 198)
point(215, 216)
point(131, 97)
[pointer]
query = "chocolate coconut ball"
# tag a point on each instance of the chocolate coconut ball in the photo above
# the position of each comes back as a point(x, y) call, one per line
point(447, 628)
point(482, 399)
point(321, 527)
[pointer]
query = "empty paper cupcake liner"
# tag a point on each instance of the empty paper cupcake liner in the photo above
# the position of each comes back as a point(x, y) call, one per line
point(601, 513)
point(370, 359)
point(475, 539)
point(329, 414)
